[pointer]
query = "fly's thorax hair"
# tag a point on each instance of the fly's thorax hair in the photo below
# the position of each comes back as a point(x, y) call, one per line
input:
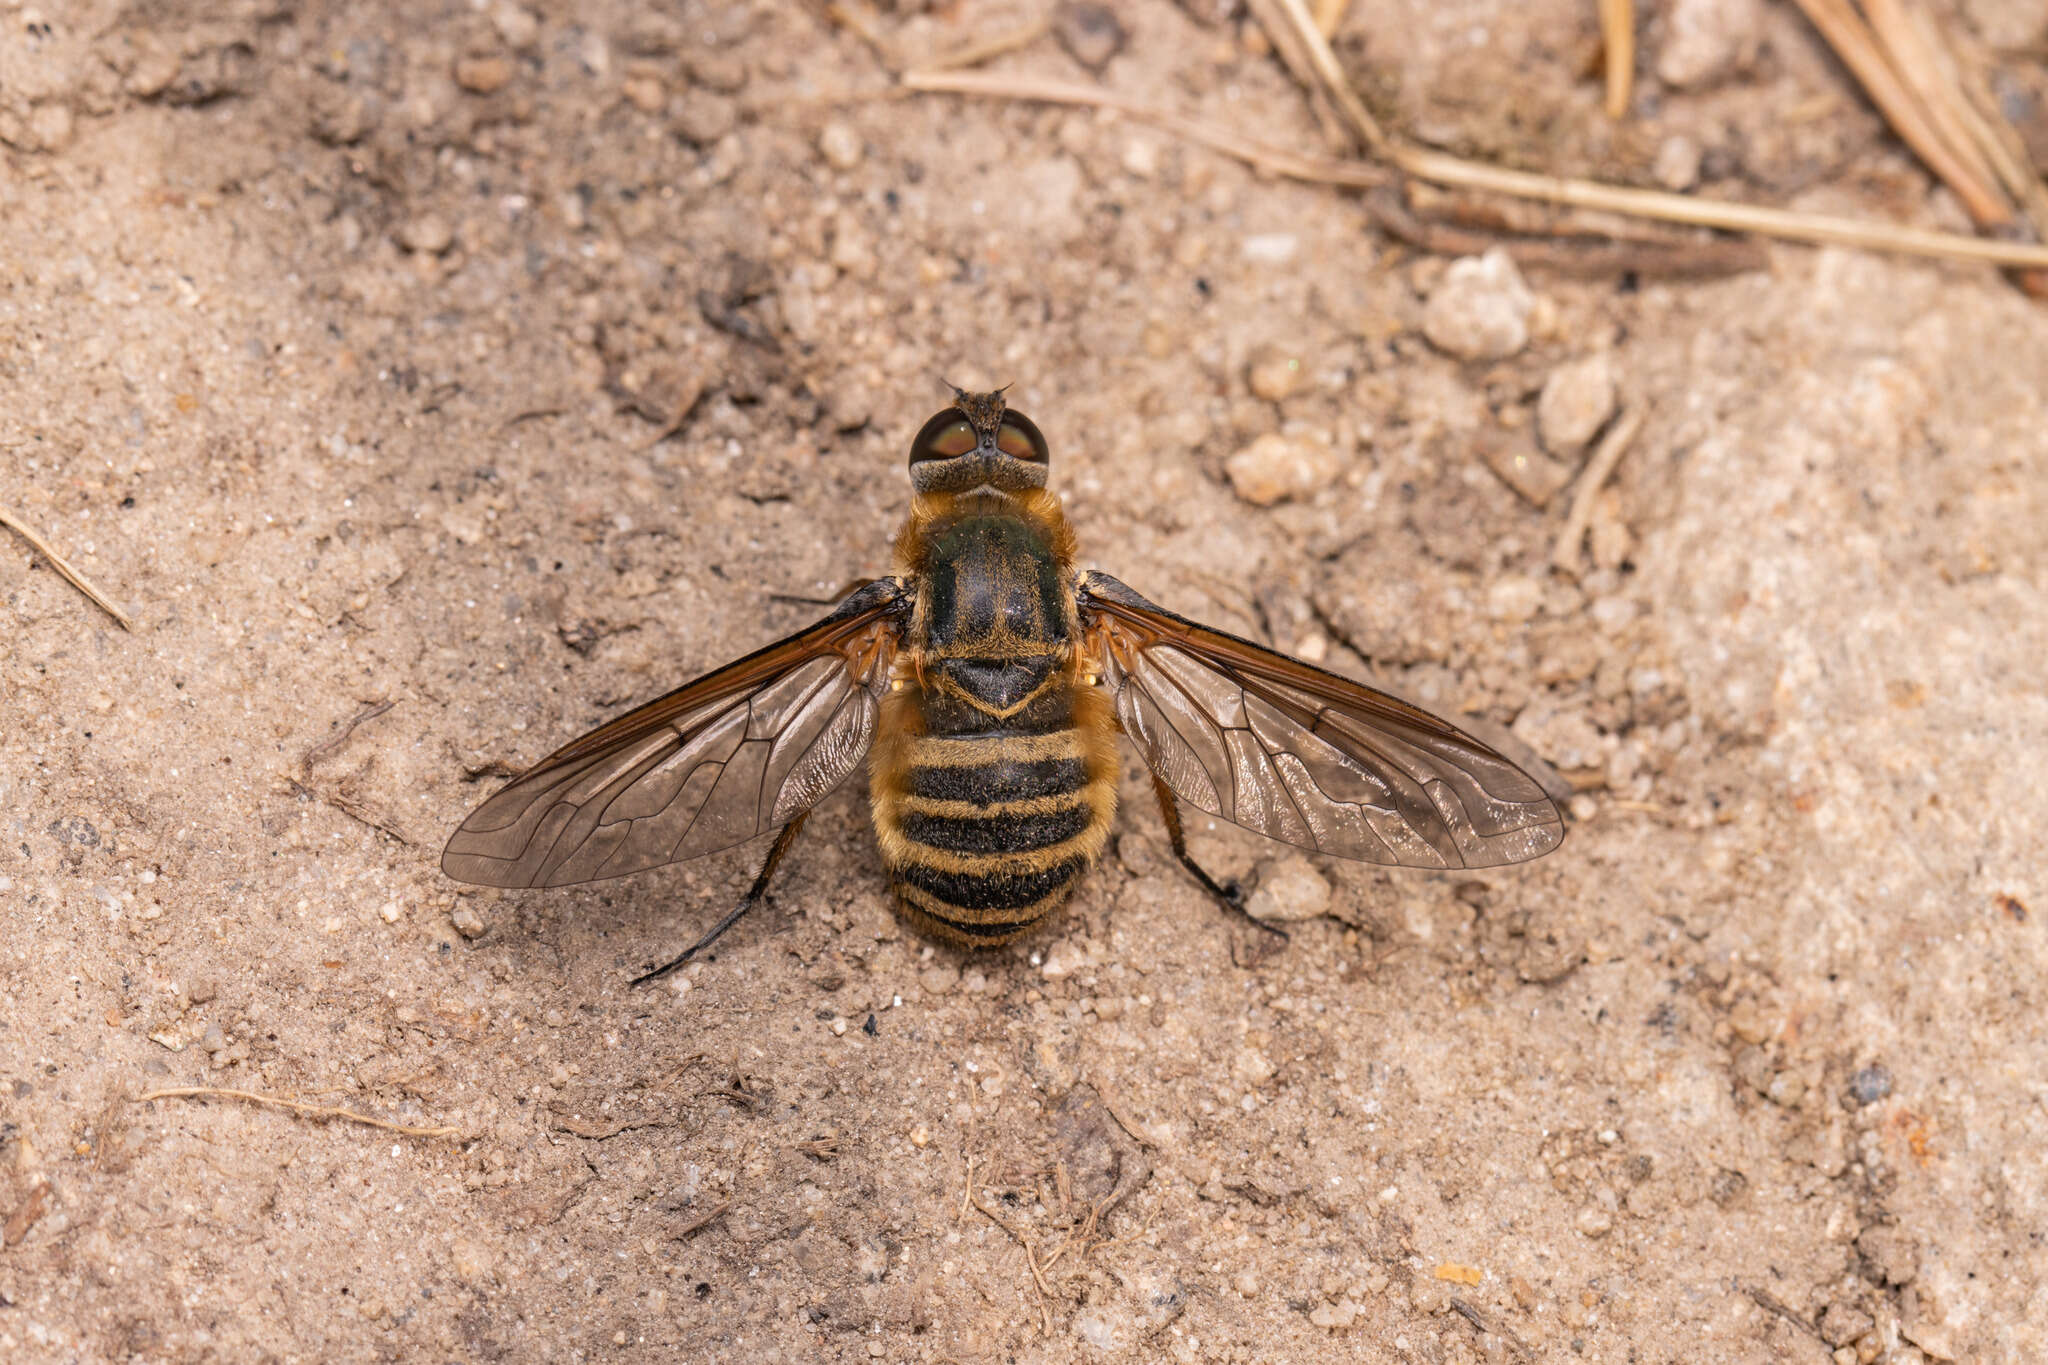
point(931, 512)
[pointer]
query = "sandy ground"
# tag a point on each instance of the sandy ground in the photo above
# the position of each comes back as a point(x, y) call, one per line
point(507, 367)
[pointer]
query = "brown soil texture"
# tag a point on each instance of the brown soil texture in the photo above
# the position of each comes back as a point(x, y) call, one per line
point(504, 366)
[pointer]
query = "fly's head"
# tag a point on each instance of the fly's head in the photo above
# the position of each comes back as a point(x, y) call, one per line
point(978, 444)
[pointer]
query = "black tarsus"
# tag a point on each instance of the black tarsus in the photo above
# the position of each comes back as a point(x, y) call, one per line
point(1228, 894)
point(753, 897)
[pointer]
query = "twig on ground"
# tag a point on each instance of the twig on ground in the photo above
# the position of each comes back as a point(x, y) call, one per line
point(63, 566)
point(1330, 16)
point(858, 19)
point(1486, 1324)
point(985, 49)
point(316, 1111)
point(1618, 38)
point(363, 815)
point(1321, 170)
point(332, 744)
point(1581, 254)
point(2001, 143)
point(1030, 1250)
point(1899, 87)
point(1787, 224)
point(702, 1221)
point(1771, 1304)
point(1605, 457)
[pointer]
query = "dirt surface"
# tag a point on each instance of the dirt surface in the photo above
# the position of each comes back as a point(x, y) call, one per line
point(501, 368)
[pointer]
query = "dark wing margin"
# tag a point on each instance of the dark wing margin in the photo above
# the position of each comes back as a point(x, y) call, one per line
point(735, 754)
point(1303, 756)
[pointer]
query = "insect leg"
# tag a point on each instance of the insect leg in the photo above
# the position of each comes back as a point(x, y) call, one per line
point(753, 897)
point(1229, 894)
point(853, 586)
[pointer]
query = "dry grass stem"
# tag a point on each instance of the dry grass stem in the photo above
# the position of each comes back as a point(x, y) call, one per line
point(1024, 1244)
point(1281, 31)
point(63, 566)
point(1582, 253)
point(1788, 224)
point(859, 19)
point(1906, 43)
point(1330, 16)
point(1881, 68)
point(1321, 170)
point(1323, 60)
point(1438, 168)
point(314, 1111)
point(986, 49)
point(702, 1220)
point(1618, 40)
point(333, 743)
point(1598, 469)
point(2001, 143)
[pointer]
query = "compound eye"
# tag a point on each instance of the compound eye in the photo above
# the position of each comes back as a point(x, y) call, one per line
point(1021, 440)
point(945, 437)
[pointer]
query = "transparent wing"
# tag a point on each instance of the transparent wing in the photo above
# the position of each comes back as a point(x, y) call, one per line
point(1303, 756)
point(714, 763)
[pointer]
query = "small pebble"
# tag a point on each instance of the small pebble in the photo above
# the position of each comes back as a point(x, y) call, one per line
point(1270, 248)
point(645, 93)
point(920, 1136)
point(725, 72)
point(1785, 1090)
point(1290, 890)
point(1140, 156)
point(1707, 40)
point(391, 912)
point(1276, 467)
point(467, 921)
point(1892, 1252)
point(849, 404)
point(470, 1261)
point(428, 234)
point(701, 117)
point(1594, 1221)
point(939, 978)
point(1843, 1323)
point(841, 146)
point(519, 27)
point(1481, 310)
point(1513, 598)
point(1870, 1084)
point(1274, 373)
point(1089, 32)
point(483, 75)
point(1531, 473)
point(1576, 402)
point(1677, 163)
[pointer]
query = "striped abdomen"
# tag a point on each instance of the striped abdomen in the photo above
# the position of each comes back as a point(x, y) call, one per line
point(985, 833)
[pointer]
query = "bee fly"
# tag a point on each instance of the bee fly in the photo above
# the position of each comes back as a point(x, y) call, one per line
point(985, 682)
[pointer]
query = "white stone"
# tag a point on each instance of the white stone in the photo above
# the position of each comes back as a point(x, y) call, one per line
point(1708, 40)
point(1289, 890)
point(1276, 467)
point(1481, 310)
point(1576, 402)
